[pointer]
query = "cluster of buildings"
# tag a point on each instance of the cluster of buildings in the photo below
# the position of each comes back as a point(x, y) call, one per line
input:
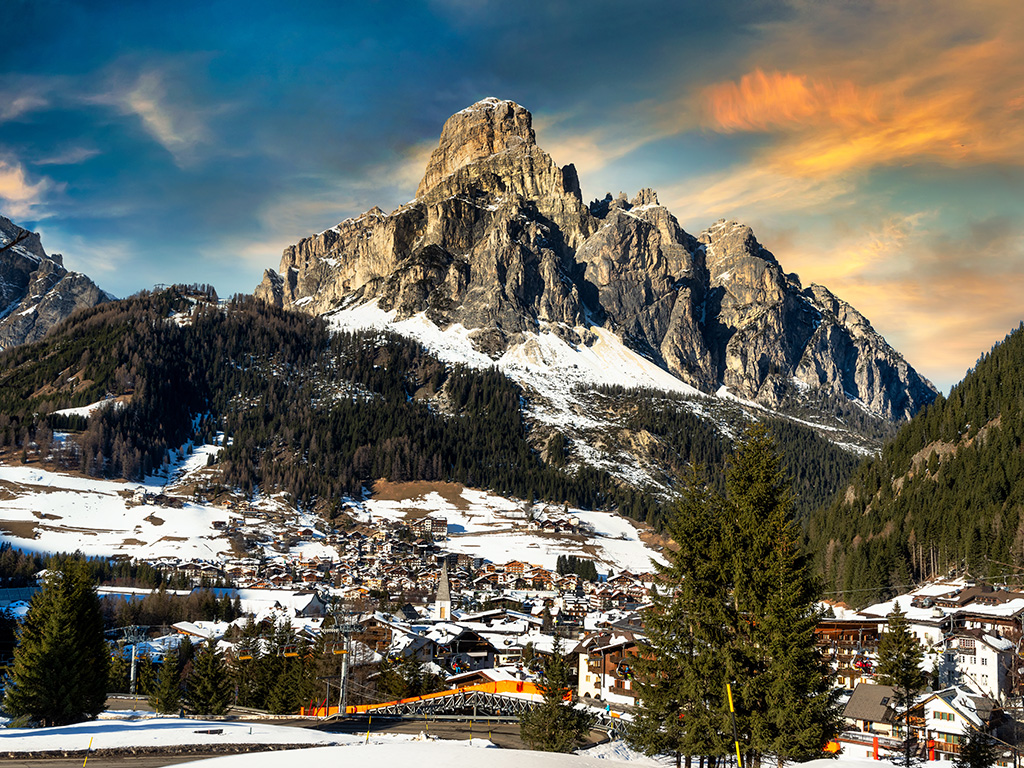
point(971, 635)
point(471, 621)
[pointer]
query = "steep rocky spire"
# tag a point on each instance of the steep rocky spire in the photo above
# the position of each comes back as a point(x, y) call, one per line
point(488, 127)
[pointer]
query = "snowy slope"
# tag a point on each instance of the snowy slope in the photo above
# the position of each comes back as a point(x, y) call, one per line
point(543, 363)
point(49, 512)
point(158, 732)
point(45, 511)
point(482, 524)
point(448, 754)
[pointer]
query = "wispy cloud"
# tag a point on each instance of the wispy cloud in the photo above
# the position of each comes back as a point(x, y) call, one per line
point(22, 198)
point(98, 257)
point(21, 104)
point(169, 116)
point(592, 148)
point(69, 156)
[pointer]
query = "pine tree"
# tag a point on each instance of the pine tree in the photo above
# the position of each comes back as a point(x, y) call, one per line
point(209, 687)
point(799, 695)
point(684, 664)
point(740, 611)
point(787, 684)
point(285, 695)
point(62, 661)
point(977, 750)
point(555, 725)
point(794, 712)
point(899, 665)
point(166, 698)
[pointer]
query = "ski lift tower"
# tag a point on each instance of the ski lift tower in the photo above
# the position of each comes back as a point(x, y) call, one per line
point(340, 644)
point(134, 636)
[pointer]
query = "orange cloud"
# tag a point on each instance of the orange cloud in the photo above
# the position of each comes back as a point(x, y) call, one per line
point(20, 197)
point(763, 101)
point(841, 107)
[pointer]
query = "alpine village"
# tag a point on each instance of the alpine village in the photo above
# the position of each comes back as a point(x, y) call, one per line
point(504, 457)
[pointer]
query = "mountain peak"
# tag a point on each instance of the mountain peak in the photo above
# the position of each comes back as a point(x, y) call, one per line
point(500, 243)
point(36, 291)
point(486, 128)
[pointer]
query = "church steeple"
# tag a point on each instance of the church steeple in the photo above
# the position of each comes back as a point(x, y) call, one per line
point(443, 601)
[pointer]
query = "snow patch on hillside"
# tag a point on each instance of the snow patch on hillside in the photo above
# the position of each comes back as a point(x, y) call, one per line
point(542, 362)
point(484, 525)
point(89, 410)
point(44, 511)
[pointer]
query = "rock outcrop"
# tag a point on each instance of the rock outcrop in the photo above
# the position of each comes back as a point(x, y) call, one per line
point(499, 240)
point(36, 291)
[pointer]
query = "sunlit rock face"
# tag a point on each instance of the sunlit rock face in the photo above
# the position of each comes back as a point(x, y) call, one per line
point(499, 240)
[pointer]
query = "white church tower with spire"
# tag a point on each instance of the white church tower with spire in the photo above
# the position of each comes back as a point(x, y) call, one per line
point(443, 601)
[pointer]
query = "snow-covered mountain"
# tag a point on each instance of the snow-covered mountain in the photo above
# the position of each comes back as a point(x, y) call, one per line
point(499, 258)
point(36, 291)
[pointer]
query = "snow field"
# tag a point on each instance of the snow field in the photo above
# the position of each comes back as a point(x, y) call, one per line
point(481, 524)
point(543, 362)
point(48, 512)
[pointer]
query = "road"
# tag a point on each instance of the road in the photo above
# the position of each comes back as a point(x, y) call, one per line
point(504, 735)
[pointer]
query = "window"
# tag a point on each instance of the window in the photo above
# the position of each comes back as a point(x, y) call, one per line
point(943, 716)
point(984, 661)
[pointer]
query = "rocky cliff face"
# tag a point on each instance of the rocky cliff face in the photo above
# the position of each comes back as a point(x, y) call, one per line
point(36, 291)
point(499, 240)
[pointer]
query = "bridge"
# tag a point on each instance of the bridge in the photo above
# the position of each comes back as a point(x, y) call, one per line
point(501, 699)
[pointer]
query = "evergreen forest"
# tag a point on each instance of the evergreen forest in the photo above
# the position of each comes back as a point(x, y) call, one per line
point(321, 415)
point(946, 495)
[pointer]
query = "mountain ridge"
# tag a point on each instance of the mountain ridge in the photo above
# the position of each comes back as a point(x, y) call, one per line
point(36, 291)
point(499, 241)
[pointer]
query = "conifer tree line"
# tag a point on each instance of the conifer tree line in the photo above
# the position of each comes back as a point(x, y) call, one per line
point(581, 566)
point(303, 410)
point(815, 467)
point(738, 610)
point(946, 495)
point(314, 413)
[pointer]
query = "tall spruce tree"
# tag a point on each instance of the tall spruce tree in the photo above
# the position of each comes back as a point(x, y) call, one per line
point(62, 661)
point(209, 687)
point(899, 665)
point(743, 600)
point(166, 697)
point(787, 686)
point(555, 725)
point(789, 690)
point(800, 699)
point(688, 655)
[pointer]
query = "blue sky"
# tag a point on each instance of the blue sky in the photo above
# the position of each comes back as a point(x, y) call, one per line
point(875, 147)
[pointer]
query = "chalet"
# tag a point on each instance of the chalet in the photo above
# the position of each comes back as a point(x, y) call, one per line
point(604, 666)
point(871, 709)
point(942, 719)
point(849, 645)
point(516, 568)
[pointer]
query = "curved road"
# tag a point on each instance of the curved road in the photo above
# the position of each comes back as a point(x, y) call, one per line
point(504, 735)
